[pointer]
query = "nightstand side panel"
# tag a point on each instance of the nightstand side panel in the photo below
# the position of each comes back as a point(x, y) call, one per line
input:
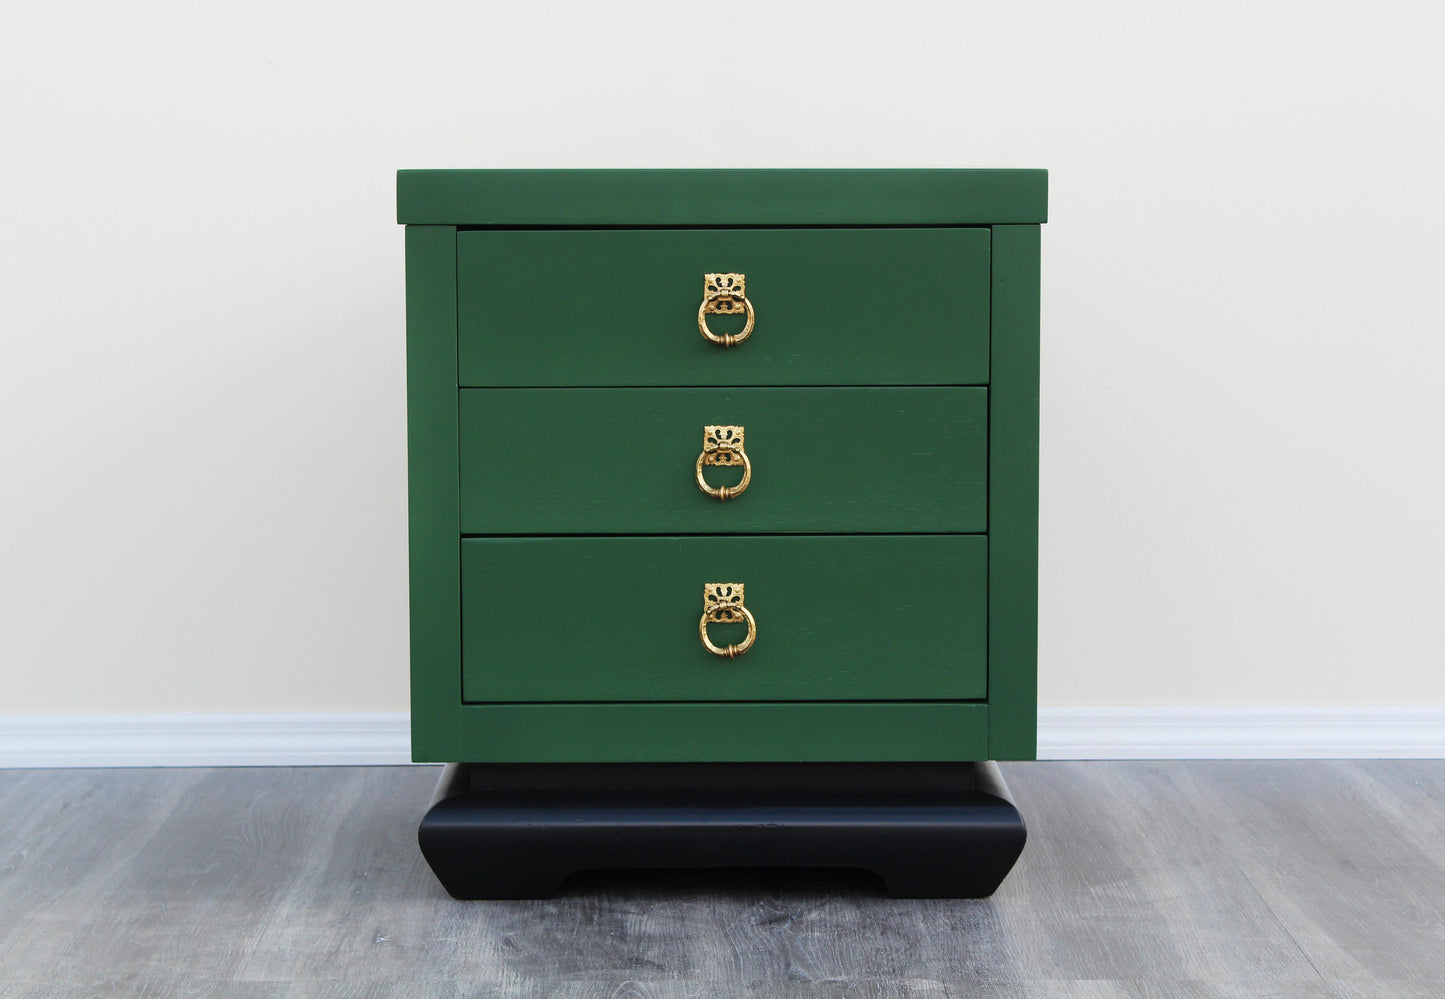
point(435, 555)
point(1013, 506)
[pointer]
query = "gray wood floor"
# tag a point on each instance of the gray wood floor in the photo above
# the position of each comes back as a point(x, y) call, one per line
point(1171, 880)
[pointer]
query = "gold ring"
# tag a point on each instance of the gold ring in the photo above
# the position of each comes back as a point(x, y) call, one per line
point(724, 294)
point(722, 603)
point(724, 492)
point(723, 445)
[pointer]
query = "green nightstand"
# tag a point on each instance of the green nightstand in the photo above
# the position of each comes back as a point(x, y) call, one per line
point(723, 505)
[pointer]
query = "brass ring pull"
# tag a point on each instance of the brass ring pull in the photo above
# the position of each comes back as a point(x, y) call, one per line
point(722, 603)
point(724, 295)
point(723, 446)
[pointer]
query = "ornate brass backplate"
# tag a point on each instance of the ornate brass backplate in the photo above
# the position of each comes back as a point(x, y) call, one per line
point(724, 295)
point(723, 445)
point(722, 603)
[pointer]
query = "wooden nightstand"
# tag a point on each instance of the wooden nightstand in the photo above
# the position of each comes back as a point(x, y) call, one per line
point(724, 506)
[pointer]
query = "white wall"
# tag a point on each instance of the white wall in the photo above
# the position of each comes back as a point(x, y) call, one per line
point(202, 457)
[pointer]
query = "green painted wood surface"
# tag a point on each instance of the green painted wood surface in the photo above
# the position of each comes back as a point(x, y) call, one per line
point(619, 307)
point(621, 461)
point(445, 728)
point(616, 619)
point(1014, 496)
point(721, 197)
point(718, 732)
point(431, 372)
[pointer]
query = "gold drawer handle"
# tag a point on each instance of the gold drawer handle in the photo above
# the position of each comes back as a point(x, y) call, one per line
point(723, 446)
point(722, 603)
point(724, 295)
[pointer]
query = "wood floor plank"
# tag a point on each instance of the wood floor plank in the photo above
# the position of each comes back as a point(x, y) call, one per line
point(1349, 881)
point(186, 901)
point(1408, 794)
point(385, 912)
point(1306, 989)
point(688, 989)
point(1382, 989)
point(62, 834)
point(1120, 880)
point(572, 989)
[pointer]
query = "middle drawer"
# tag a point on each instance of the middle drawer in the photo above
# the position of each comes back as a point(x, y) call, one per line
point(626, 461)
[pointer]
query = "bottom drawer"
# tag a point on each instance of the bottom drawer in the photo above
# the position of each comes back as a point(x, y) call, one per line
point(838, 618)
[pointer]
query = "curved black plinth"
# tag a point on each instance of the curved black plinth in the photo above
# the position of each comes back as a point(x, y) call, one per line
point(929, 830)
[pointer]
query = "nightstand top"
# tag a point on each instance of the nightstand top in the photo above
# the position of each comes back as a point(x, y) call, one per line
point(720, 197)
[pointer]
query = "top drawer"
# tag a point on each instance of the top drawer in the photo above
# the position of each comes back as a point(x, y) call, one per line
point(611, 307)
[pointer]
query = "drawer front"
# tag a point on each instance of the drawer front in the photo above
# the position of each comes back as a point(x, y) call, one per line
point(616, 619)
point(625, 461)
point(620, 307)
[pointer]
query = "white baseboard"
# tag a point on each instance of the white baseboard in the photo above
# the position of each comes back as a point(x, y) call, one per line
point(374, 738)
point(195, 740)
point(1292, 733)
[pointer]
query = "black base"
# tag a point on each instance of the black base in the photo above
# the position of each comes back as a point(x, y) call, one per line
point(929, 830)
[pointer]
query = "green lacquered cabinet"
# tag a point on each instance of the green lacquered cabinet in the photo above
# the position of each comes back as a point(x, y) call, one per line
point(559, 389)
